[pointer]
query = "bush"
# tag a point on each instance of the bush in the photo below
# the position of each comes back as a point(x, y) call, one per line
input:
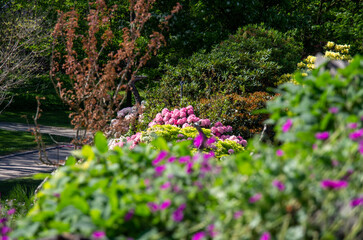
point(251, 60)
point(309, 185)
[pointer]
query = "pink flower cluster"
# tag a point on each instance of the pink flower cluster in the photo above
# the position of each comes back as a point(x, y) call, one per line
point(183, 117)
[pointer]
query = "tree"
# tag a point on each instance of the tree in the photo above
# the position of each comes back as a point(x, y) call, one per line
point(97, 75)
point(20, 59)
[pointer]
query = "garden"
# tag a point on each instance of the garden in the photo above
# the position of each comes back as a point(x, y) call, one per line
point(203, 127)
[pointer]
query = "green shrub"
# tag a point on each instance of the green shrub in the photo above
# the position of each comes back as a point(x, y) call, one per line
point(307, 187)
point(251, 60)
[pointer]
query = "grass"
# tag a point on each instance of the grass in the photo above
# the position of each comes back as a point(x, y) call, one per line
point(13, 141)
point(48, 118)
point(17, 194)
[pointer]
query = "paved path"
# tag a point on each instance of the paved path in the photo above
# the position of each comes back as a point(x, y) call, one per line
point(28, 163)
point(59, 131)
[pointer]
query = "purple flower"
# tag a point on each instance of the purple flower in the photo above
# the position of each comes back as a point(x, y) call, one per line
point(352, 125)
point(189, 167)
point(2, 220)
point(333, 110)
point(211, 231)
point(286, 127)
point(160, 157)
point(165, 186)
point(230, 151)
point(198, 236)
point(265, 236)
point(279, 152)
point(322, 135)
point(5, 230)
point(129, 215)
point(255, 198)
point(198, 184)
point(153, 206)
point(278, 184)
point(357, 135)
point(11, 211)
point(333, 184)
point(237, 214)
point(160, 169)
point(334, 162)
point(171, 159)
point(356, 202)
point(210, 141)
point(5, 238)
point(184, 159)
point(178, 214)
point(99, 234)
point(165, 204)
point(198, 141)
point(57, 195)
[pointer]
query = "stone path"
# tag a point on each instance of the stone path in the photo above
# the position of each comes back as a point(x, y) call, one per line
point(28, 163)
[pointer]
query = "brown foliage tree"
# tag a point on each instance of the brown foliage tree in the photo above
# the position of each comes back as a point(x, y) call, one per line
point(94, 90)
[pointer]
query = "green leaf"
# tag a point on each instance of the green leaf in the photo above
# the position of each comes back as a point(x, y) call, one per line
point(88, 152)
point(101, 142)
point(160, 143)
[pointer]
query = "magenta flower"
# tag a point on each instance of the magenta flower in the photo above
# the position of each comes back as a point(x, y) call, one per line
point(178, 214)
point(99, 234)
point(356, 202)
point(160, 169)
point(280, 186)
point(333, 184)
point(5, 230)
point(237, 214)
point(333, 110)
point(357, 135)
point(189, 167)
point(184, 159)
point(165, 186)
point(352, 125)
point(2, 220)
point(5, 238)
point(255, 198)
point(211, 231)
point(198, 141)
point(286, 127)
point(160, 157)
point(210, 141)
point(322, 135)
point(171, 159)
point(11, 211)
point(153, 206)
point(129, 215)
point(279, 152)
point(165, 204)
point(265, 236)
point(198, 236)
point(230, 151)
